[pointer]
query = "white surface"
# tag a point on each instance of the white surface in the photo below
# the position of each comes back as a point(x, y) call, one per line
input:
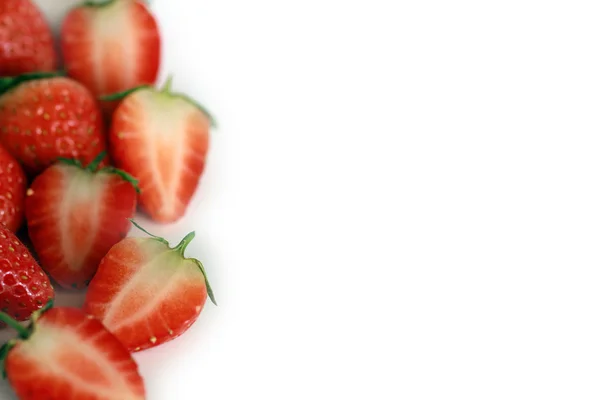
point(402, 202)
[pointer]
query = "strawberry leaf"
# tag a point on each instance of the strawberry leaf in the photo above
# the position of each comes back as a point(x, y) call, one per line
point(112, 170)
point(122, 95)
point(148, 233)
point(166, 89)
point(4, 350)
point(68, 161)
point(9, 82)
point(93, 166)
point(208, 288)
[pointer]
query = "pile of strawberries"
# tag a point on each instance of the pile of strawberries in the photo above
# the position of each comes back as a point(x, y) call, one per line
point(84, 142)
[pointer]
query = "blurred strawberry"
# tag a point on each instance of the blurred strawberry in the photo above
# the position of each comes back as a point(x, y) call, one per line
point(25, 39)
point(111, 46)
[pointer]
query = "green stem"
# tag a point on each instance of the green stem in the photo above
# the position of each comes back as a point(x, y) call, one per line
point(167, 87)
point(184, 243)
point(148, 233)
point(93, 166)
point(8, 320)
point(97, 3)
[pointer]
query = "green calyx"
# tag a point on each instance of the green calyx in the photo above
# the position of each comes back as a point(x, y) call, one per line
point(97, 3)
point(10, 82)
point(23, 332)
point(121, 95)
point(93, 168)
point(166, 90)
point(101, 3)
point(180, 248)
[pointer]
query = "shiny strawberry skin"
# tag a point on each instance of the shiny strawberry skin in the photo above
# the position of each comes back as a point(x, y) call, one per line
point(71, 356)
point(147, 293)
point(161, 139)
point(44, 119)
point(24, 287)
point(111, 47)
point(13, 184)
point(74, 216)
point(25, 39)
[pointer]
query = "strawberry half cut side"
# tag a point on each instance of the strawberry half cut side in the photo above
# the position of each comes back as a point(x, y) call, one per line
point(75, 215)
point(65, 354)
point(147, 292)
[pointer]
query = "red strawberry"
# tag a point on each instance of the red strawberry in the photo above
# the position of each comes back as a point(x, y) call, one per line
point(75, 215)
point(146, 292)
point(67, 355)
point(44, 117)
point(111, 46)
point(161, 138)
point(13, 184)
point(24, 287)
point(25, 39)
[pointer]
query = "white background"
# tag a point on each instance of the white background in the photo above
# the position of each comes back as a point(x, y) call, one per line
point(402, 200)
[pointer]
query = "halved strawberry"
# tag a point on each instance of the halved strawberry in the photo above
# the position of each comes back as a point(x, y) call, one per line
point(65, 354)
point(146, 292)
point(111, 45)
point(161, 138)
point(75, 215)
point(44, 116)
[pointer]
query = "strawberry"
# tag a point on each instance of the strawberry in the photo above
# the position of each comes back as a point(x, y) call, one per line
point(161, 138)
point(24, 287)
point(111, 46)
point(13, 184)
point(45, 116)
point(25, 39)
point(146, 292)
point(75, 215)
point(65, 354)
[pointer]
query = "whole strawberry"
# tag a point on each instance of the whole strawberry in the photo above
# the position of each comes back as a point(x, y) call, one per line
point(44, 116)
point(75, 215)
point(161, 138)
point(25, 39)
point(65, 354)
point(146, 292)
point(111, 46)
point(13, 184)
point(24, 287)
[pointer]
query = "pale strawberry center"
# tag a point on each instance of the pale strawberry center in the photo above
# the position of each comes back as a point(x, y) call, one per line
point(114, 46)
point(79, 215)
point(149, 287)
point(167, 146)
